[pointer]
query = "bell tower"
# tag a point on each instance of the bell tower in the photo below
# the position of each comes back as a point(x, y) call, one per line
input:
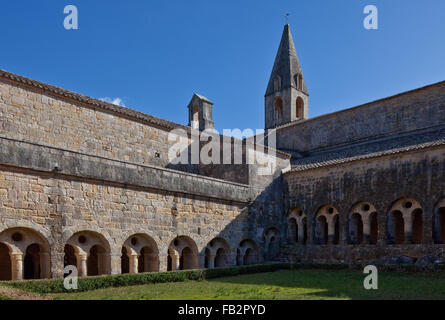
point(286, 97)
point(200, 113)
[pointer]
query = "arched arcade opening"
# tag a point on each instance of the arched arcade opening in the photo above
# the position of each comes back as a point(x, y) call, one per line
point(24, 254)
point(182, 254)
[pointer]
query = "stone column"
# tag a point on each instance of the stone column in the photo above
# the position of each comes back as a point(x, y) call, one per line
point(300, 233)
point(366, 232)
point(408, 225)
point(163, 262)
point(116, 267)
point(176, 260)
point(17, 266)
point(82, 264)
point(57, 266)
point(134, 263)
point(331, 231)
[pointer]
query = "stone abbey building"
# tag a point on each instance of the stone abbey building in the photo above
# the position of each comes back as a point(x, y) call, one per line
point(87, 183)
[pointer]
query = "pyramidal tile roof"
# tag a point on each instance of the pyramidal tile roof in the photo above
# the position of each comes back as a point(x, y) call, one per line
point(286, 65)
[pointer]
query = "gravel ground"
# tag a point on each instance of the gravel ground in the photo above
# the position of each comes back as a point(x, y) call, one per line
point(17, 294)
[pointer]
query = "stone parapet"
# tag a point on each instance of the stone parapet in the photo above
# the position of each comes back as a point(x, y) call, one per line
point(63, 162)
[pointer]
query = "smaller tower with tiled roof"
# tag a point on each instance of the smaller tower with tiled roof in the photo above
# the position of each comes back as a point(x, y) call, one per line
point(200, 113)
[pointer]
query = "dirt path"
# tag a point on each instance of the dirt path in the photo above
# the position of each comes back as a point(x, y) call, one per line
point(17, 294)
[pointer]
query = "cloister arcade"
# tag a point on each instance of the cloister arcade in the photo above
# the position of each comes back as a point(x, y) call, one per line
point(26, 254)
point(247, 253)
point(327, 226)
point(363, 224)
point(90, 252)
point(404, 224)
point(271, 240)
point(182, 254)
point(139, 254)
point(217, 254)
point(297, 226)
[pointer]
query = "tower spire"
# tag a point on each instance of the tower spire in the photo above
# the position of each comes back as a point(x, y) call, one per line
point(286, 64)
point(286, 94)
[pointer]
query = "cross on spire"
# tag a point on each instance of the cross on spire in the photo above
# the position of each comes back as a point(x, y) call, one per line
point(286, 17)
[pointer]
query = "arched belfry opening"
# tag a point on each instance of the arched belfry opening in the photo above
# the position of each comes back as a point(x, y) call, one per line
point(300, 83)
point(299, 105)
point(278, 109)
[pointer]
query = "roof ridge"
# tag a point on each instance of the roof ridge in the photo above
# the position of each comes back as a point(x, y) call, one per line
point(333, 162)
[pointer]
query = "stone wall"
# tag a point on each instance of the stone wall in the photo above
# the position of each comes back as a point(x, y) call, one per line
point(59, 206)
point(34, 116)
point(381, 183)
point(71, 166)
point(70, 169)
point(414, 110)
point(51, 118)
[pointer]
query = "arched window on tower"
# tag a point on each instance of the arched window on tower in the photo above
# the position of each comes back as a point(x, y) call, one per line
point(300, 108)
point(300, 82)
point(277, 84)
point(278, 108)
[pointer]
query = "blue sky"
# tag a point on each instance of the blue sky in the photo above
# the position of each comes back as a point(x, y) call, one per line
point(155, 54)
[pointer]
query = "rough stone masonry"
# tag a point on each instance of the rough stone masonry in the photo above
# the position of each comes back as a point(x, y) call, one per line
point(87, 183)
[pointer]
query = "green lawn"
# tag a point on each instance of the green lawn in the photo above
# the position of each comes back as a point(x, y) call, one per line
point(286, 284)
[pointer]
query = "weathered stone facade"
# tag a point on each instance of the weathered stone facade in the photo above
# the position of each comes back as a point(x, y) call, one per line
point(90, 184)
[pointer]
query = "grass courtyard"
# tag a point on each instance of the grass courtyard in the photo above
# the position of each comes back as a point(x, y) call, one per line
point(284, 284)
